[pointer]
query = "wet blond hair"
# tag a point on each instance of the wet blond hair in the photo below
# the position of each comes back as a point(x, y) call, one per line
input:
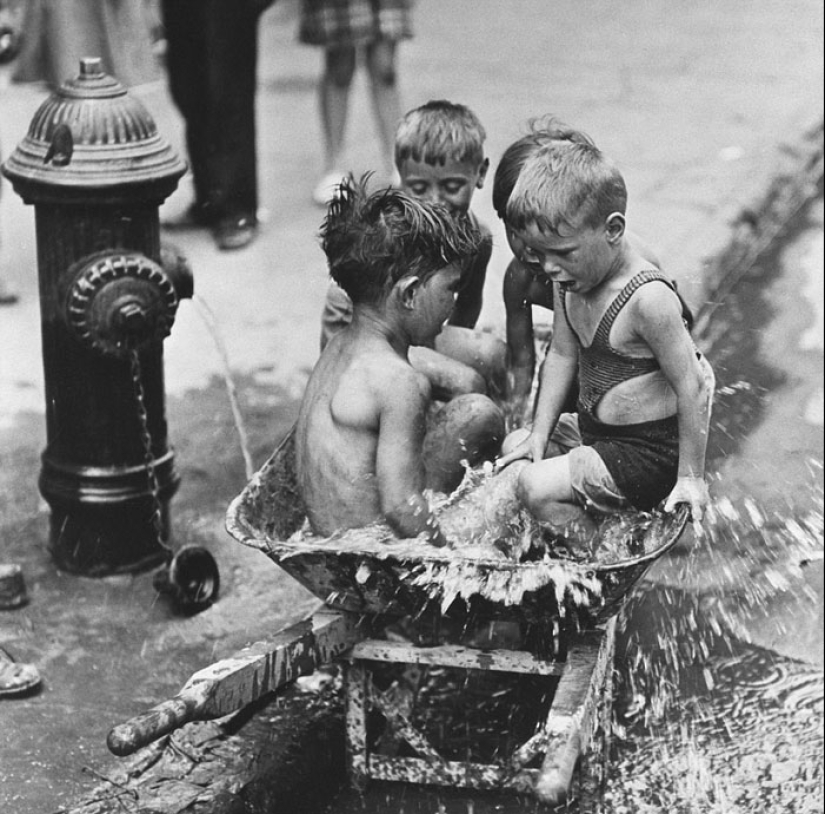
point(566, 184)
point(541, 130)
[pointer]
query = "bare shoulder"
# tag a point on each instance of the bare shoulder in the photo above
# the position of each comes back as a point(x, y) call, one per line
point(656, 302)
point(655, 318)
point(516, 280)
point(482, 227)
point(486, 250)
point(396, 382)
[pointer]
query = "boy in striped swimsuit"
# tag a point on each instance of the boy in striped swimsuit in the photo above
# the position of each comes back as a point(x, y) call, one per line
point(640, 432)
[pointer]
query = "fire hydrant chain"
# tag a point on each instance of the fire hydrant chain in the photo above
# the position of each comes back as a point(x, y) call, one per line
point(146, 439)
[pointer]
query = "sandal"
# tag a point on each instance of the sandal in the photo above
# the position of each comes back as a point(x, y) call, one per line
point(16, 679)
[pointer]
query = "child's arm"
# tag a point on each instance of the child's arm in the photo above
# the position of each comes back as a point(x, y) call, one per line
point(448, 377)
point(399, 470)
point(660, 325)
point(469, 300)
point(521, 350)
point(557, 377)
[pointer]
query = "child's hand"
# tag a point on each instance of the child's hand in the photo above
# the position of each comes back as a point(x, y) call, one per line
point(520, 444)
point(694, 492)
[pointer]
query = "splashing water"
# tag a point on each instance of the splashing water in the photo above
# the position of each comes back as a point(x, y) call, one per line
point(709, 722)
point(210, 321)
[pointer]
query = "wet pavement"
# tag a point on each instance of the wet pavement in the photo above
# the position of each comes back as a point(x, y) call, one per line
point(717, 121)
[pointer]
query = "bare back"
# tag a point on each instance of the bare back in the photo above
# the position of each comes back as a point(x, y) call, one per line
point(359, 432)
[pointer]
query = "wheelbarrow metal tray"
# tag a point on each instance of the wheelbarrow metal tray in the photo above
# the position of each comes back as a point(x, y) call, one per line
point(369, 571)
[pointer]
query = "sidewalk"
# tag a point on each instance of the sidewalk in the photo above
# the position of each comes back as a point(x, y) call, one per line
point(706, 107)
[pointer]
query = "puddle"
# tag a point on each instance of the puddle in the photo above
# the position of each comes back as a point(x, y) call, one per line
point(709, 723)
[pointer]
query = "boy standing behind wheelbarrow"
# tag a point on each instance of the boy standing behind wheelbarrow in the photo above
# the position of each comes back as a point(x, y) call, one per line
point(439, 157)
point(366, 444)
point(640, 432)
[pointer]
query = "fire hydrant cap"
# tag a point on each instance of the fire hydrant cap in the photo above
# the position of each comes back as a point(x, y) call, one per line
point(91, 134)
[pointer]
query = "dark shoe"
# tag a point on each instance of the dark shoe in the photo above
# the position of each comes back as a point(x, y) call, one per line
point(12, 586)
point(7, 297)
point(236, 232)
point(196, 216)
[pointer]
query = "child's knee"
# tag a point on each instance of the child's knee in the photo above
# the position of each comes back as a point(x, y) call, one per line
point(513, 439)
point(481, 409)
point(544, 484)
point(483, 355)
point(467, 429)
point(468, 382)
point(493, 351)
point(381, 63)
point(492, 354)
point(528, 489)
point(479, 424)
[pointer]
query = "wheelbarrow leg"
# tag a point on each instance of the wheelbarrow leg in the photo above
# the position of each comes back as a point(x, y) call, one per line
point(593, 766)
point(574, 713)
point(357, 754)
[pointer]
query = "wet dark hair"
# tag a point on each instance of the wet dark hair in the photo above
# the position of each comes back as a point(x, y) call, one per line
point(542, 130)
point(373, 240)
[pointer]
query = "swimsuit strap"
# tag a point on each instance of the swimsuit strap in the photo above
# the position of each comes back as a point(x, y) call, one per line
point(602, 335)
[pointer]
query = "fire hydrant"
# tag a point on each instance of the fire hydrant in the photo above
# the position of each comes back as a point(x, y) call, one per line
point(96, 170)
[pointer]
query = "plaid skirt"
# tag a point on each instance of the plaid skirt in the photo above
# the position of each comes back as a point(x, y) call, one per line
point(354, 22)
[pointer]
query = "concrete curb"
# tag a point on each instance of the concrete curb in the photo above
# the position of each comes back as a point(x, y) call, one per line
point(287, 754)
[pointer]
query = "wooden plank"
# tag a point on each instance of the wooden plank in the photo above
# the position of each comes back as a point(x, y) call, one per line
point(466, 658)
point(530, 749)
point(231, 684)
point(403, 727)
point(356, 724)
point(570, 720)
point(451, 773)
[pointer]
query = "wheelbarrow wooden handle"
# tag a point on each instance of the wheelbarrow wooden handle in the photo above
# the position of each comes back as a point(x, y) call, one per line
point(229, 685)
point(126, 738)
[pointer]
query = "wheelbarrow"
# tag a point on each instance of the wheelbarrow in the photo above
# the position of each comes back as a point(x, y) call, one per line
point(367, 579)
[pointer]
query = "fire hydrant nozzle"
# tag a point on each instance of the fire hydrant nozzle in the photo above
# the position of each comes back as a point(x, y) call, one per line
point(117, 303)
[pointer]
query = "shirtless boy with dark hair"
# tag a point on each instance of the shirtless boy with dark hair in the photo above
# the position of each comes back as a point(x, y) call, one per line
point(364, 450)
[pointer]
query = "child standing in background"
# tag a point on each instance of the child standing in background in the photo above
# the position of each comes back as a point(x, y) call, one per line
point(10, 35)
point(343, 28)
point(7, 296)
point(439, 155)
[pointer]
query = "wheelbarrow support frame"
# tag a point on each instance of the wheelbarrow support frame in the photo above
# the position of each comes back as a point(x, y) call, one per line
point(581, 703)
point(580, 708)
